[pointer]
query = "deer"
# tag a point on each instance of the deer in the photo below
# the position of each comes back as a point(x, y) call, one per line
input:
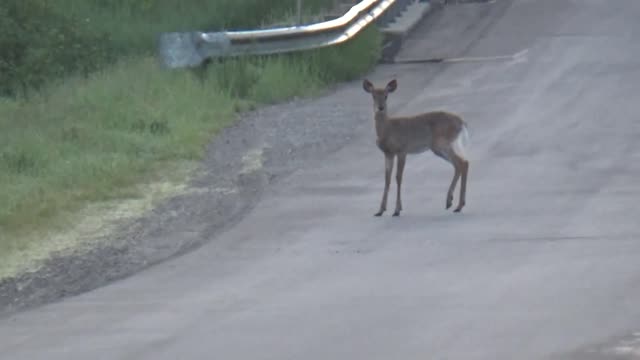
point(442, 132)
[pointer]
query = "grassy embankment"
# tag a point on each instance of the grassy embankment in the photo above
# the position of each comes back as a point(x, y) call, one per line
point(88, 113)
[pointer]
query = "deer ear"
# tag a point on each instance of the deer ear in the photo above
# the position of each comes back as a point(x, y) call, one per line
point(392, 86)
point(367, 85)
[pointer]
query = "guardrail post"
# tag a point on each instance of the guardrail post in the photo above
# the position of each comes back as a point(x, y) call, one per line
point(299, 12)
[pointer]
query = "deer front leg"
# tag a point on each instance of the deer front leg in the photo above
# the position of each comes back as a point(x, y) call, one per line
point(402, 158)
point(388, 167)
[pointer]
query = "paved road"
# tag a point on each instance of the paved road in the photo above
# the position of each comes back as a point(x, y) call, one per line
point(544, 263)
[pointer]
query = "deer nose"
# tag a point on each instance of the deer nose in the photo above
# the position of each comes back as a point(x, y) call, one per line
point(380, 108)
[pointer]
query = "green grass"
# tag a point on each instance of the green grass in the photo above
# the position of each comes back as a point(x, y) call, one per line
point(46, 40)
point(89, 139)
point(85, 139)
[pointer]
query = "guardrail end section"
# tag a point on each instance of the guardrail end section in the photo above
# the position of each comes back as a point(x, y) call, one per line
point(189, 49)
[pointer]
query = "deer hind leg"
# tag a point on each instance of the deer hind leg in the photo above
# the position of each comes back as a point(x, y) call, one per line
point(388, 168)
point(402, 158)
point(464, 164)
point(461, 166)
point(459, 157)
point(447, 154)
point(452, 187)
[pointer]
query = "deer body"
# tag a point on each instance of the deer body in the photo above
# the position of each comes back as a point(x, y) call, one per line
point(443, 133)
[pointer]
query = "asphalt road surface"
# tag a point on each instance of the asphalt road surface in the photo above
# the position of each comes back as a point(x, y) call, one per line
point(543, 263)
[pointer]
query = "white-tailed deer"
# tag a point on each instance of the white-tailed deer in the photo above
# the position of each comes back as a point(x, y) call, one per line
point(443, 133)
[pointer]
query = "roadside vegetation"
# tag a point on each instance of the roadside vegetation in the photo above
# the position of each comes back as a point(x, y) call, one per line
point(86, 111)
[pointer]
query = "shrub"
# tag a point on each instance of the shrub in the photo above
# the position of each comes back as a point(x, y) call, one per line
point(38, 45)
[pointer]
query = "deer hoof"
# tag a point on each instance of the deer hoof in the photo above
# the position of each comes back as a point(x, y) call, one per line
point(396, 213)
point(379, 213)
point(449, 202)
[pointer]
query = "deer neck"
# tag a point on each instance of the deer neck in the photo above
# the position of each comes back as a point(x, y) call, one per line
point(381, 120)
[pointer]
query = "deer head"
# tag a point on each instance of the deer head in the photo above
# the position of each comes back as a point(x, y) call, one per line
point(379, 95)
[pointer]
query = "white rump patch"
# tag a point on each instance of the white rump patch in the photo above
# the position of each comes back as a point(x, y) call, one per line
point(459, 145)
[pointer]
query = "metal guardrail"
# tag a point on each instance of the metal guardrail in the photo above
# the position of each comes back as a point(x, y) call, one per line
point(188, 49)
